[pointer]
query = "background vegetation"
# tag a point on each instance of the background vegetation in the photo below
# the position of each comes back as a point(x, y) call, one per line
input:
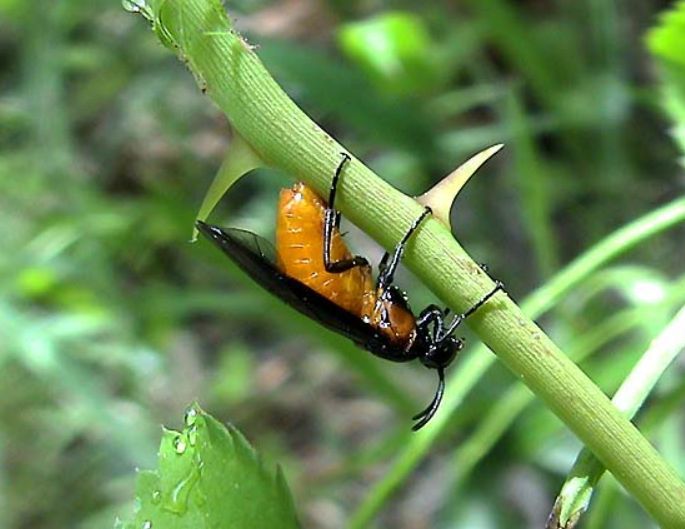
point(110, 323)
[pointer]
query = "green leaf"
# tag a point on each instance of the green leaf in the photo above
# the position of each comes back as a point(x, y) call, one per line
point(209, 476)
point(667, 39)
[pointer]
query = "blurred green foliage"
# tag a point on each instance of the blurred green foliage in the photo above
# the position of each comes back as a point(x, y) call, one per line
point(110, 322)
point(395, 50)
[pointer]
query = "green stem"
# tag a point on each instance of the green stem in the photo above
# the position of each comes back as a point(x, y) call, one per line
point(283, 136)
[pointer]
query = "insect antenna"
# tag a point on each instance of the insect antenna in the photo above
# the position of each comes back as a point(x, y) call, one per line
point(427, 414)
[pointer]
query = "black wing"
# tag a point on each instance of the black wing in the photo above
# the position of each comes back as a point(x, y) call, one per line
point(256, 256)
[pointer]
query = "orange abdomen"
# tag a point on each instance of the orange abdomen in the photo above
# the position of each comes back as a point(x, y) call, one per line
point(299, 243)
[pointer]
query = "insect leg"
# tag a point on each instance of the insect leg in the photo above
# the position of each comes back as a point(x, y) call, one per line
point(432, 314)
point(427, 414)
point(334, 183)
point(331, 223)
point(392, 261)
point(383, 264)
point(482, 301)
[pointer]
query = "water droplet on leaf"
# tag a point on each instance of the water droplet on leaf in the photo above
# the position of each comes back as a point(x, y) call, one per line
point(192, 435)
point(180, 445)
point(178, 502)
point(137, 6)
point(156, 496)
point(133, 6)
point(191, 416)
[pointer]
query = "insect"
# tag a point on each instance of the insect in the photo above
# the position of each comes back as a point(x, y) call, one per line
point(313, 271)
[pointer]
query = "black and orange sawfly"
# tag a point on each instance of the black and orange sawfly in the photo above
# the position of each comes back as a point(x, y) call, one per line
point(312, 270)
